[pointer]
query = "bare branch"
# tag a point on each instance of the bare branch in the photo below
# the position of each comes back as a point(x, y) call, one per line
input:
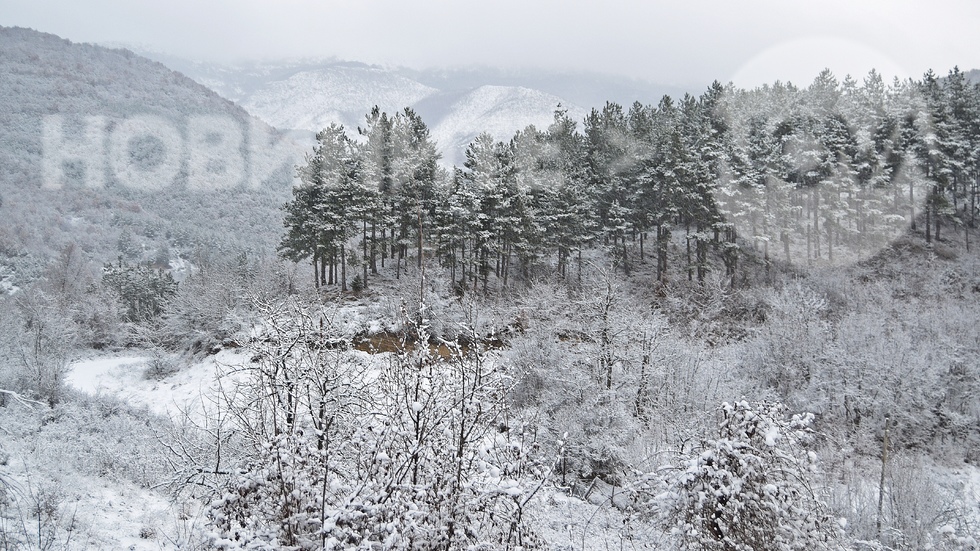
point(21, 399)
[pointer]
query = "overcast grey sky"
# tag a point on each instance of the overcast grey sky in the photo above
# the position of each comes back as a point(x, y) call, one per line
point(683, 42)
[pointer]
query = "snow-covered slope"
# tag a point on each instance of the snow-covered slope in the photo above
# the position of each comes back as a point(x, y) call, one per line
point(185, 391)
point(54, 92)
point(311, 100)
point(497, 110)
point(455, 105)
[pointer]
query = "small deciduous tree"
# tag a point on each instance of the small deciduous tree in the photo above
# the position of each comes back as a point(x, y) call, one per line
point(37, 346)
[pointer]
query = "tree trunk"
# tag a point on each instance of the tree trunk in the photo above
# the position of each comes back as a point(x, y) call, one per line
point(374, 248)
point(830, 242)
point(485, 270)
point(641, 386)
point(660, 262)
point(928, 222)
point(384, 247)
point(605, 354)
point(504, 264)
point(816, 224)
point(498, 259)
point(364, 252)
point(452, 265)
point(955, 191)
point(343, 268)
point(966, 236)
point(462, 261)
point(690, 265)
point(626, 262)
point(420, 240)
point(702, 258)
point(973, 202)
point(809, 244)
point(912, 202)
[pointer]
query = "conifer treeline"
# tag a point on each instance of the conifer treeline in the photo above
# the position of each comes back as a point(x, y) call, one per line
point(817, 174)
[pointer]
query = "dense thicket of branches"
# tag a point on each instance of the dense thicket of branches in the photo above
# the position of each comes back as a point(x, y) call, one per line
point(827, 173)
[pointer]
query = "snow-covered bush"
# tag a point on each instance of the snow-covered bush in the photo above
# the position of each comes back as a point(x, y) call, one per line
point(409, 454)
point(751, 488)
point(142, 291)
point(208, 308)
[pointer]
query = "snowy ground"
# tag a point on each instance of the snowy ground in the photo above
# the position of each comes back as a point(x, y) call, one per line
point(125, 377)
point(105, 513)
point(969, 476)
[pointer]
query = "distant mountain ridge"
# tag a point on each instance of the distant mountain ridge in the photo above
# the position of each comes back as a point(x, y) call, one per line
point(311, 100)
point(456, 104)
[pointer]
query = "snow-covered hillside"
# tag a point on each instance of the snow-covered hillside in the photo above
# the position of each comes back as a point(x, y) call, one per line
point(53, 88)
point(497, 110)
point(311, 100)
point(456, 107)
point(184, 391)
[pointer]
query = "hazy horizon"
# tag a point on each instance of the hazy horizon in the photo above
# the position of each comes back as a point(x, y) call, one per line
point(684, 46)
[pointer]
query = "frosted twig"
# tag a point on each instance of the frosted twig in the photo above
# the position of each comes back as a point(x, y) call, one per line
point(22, 400)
